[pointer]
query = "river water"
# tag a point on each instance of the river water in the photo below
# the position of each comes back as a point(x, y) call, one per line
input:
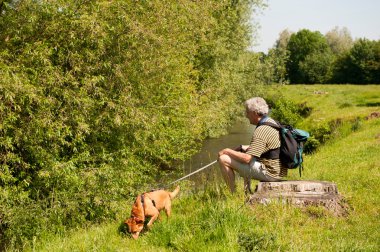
point(239, 133)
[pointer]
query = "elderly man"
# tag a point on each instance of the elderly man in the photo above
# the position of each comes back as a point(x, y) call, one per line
point(253, 161)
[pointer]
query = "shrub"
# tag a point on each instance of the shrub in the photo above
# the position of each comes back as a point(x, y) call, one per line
point(285, 111)
point(311, 145)
point(98, 98)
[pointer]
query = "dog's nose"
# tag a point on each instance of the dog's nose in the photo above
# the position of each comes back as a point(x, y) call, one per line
point(135, 235)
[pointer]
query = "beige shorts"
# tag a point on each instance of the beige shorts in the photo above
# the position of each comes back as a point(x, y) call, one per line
point(253, 170)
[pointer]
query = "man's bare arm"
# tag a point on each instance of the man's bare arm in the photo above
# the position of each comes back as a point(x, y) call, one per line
point(237, 155)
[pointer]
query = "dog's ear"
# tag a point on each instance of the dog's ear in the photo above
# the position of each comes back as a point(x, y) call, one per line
point(138, 220)
point(129, 221)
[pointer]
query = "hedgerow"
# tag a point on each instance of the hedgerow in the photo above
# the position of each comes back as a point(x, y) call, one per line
point(98, 98)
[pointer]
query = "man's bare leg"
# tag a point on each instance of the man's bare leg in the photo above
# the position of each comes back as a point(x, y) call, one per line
point(227, 172)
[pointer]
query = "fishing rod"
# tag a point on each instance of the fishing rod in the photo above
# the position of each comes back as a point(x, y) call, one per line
point(194, 172)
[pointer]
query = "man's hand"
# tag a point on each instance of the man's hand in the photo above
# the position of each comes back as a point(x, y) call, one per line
point(242, 148)
point(239, 156)
point(225, 151)
point(239, 148)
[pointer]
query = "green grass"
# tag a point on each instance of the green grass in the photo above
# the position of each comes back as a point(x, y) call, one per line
point(330, 102)
point(211, 219)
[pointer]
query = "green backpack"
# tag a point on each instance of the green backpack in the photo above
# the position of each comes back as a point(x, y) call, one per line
point(291, 149)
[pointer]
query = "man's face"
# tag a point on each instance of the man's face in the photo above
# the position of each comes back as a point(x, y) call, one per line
point(252, 117)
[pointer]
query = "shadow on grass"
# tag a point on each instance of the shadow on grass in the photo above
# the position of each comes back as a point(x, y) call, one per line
point(369, 104)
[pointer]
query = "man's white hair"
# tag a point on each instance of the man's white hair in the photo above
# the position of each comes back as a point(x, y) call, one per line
point(258, 105)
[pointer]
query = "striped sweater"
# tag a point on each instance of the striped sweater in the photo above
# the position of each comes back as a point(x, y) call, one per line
point(266, 138)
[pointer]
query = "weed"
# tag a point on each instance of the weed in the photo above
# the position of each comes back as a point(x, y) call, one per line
point(256, 242)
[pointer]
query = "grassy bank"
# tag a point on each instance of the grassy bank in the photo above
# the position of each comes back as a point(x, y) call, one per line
point(331, 102)
point(212, 219)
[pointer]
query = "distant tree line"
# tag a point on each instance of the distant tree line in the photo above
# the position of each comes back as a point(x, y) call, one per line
point(309, 57)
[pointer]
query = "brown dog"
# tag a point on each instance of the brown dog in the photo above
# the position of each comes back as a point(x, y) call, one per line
point(149, 205)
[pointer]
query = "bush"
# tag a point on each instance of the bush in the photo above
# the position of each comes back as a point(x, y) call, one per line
point(98, 98)
point(286, 111)
point(311, 145)
point(331, 130)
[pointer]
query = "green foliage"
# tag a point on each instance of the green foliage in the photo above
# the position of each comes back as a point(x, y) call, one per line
point(329, 112)
point(317, 67)
point(276, 59)
point(339, 40)
point(211, 219)
point(329, 102)
point(214, 220)
point(312, 116)
point(301, 46)
point(360, 65)
point(311, 145)
point(98, 98)
point(251, 241)
point(286, 111)
point(274, 66)
point(309, 57)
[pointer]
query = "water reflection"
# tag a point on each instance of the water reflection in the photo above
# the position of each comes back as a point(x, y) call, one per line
point(239, 133)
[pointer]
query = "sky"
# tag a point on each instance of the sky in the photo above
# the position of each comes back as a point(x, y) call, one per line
point(360, 17)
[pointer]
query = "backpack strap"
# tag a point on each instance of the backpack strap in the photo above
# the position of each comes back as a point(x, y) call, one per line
point(274, 153)
point(271, 154)
point(273, 125)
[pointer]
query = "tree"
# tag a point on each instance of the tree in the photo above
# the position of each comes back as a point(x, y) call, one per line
point(274, 62)
point(280, 56)
point(375, 63)
point(339, 40)
point(361, 65)
point(302, 44)
point(317, 67)
point(283, 40)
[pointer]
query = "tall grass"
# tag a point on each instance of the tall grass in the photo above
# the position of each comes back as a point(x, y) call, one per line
point(211, 219)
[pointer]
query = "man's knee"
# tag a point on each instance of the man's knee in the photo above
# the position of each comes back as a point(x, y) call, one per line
point(224, 159)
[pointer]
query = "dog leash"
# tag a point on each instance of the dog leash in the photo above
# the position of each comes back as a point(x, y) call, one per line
point(194, 172)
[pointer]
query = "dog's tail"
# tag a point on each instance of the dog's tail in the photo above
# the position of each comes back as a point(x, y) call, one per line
point(174, 193)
